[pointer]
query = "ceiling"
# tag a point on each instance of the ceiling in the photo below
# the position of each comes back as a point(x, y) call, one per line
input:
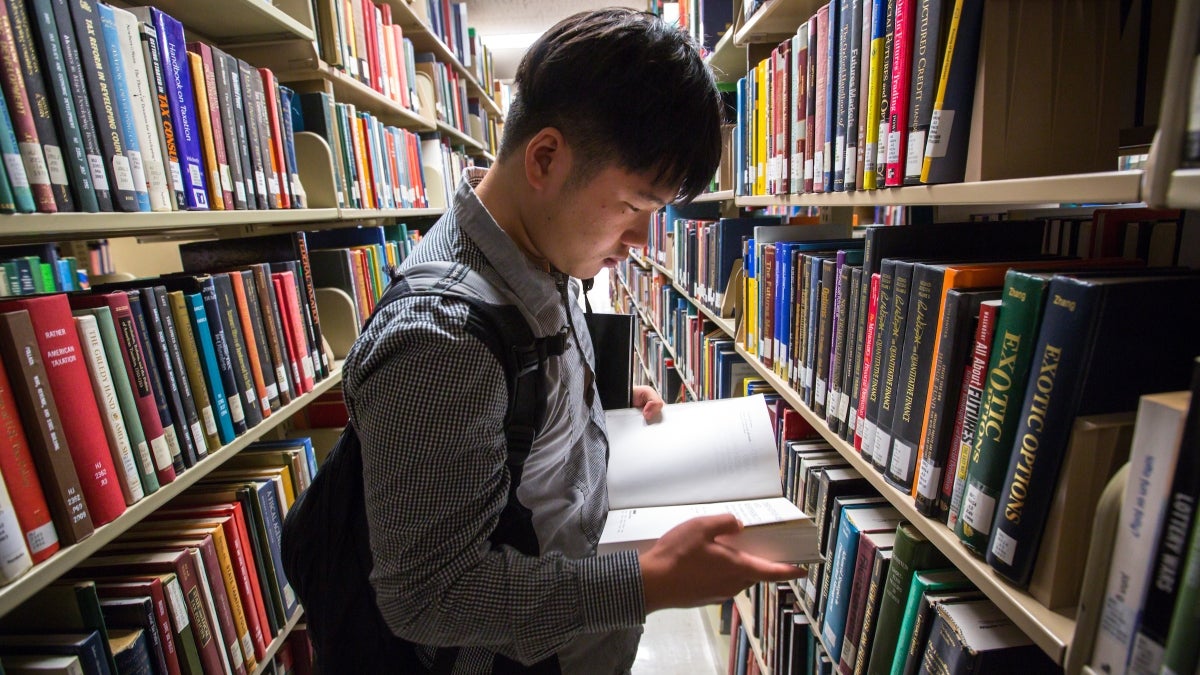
point(494, 19)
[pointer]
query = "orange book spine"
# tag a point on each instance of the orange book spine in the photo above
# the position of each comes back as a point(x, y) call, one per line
point(215, 198)
point(243, 309)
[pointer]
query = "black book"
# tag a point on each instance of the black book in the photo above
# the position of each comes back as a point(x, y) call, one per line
point(960, 317)
point(893, 348)
point(259, 160)
point(612, 344)
point(233, 147)
point(163, 123)
point(854, 357)
point(259, 117)
point(239, 357)
point(929, 46)
point(923, 625)
point(975, 637)
point(259, 335)
point(878, 346)
point(62, 171)
point(834, 413)
point(237, 98)
point(178, 369)
point(1103, 343)
point(846, 412)
point(75, 148)
point(184, 423)
point(912, 383)
point(800, 310)
point(273, 326)
point(97, 71)
point(161, 395)
point(136, 612)
point(827, 289)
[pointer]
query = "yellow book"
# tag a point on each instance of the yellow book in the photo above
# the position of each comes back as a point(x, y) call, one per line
point(215, 200)
point(195, 374)
point(874, 87)
point(375, 266)
point(939, 103)
point(760, 132)
point(364, 162)
point(750, 306)
point(280, 474)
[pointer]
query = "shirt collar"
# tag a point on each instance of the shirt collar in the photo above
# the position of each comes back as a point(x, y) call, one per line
point(533, 285)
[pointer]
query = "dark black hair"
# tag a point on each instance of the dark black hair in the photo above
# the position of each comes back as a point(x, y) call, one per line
point(623, 87)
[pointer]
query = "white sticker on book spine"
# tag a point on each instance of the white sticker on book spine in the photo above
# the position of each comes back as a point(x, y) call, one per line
point(845, 414)
point(16, 170)
point(260, 181)
point(852, 177)
point(819, 391)
point(176, 177)
point(281, 376)
point(139, 171)
point(179, 610)
point(235, 409)
point(240, 189)
point(808, 172)
point(195, 173)
point(198, 435)
point(96, 168)
point(901, 454)
point(172, 441)
point(235, 654)
point(977, 509)
point(56, 166)
point(839, 153)
point(1004, 547)
point(161, 452)
point(940, 126)
point(308, 366)
point(929, 480)
point(869, 158)
point(210, 421)
point(35, 163)
point(828, 165)
point(272, 392)
point(41, 538)
point(880, 447)
point(893, 147)
point(226, 178)
point(122, 174)
point(916, 153)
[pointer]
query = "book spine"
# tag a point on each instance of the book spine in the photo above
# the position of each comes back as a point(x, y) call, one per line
point(141, 108)
point(213, 379)
point(238, 353)
point(247, 76)
point(824, 22)
point(45, 30)
point(1182, 652)
point(915, 366)
point(47, 445)
point(841, 104)
point(927, 37)
point(208, 146)
point(950, 122)
point(21, 479)
point(106, 396)
point(270, 501)
point(866, 637)
point(241, 314)
point(912, 552)
point(20, 197)
point(273, 327)
point(877, 380)
point(163, 325)
point(162, 394)
point(846, 413)
point(33, 157)
point(834, 416)
point(863, 438)
point(125, 398)
point(292, 173)
point(307, 295)
point(165, 124)
point(967, 417)
point(799, 85)
point(292, 329)
point(225, 174)
point(269, 86)
point(181, 100)
point(897, 137)
point(1012, 355)
point(853, 75)
point(123, 102)
point(14, 555)
point(879, 20)
point(244, 287)
point(189, 350)
point(234, 118)
point(840, 574)
point(230, 379)
point(826, 269)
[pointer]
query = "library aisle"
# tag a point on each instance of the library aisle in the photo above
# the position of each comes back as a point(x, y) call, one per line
point(682, 642)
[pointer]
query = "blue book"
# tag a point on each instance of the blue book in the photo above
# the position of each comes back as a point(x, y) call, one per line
point(781, 340)
point(10, 152)
point(267, 498)
point(87, 647)
point(310, 456)
point(346, 237)
point(829, 133)
point(181, 99)
point(124, 105)
point(286, 98)
point(208, 363)
point(739, 142)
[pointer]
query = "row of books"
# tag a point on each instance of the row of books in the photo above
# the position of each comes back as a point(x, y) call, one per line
point(110, 109)
point(456, 108)
point(196, 587)
point(111, 394)
point(705, 20)
point(359, 37)
point(867, 94)
point(376, 166)
point(38, 268)
point(355, 261)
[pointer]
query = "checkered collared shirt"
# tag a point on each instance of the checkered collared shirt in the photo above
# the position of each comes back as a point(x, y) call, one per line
point(428, 401)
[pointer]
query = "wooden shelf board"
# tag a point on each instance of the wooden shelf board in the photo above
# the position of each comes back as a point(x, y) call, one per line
point(459, 138)
point(273, 648)
point(257, 20)
point(1050, 630)
point(726, 325)
point(774, 21)
point(722, 196)
point(746, 611)
point(1111, 187)
point(425, 40)
point(49, 570)
point(727, 60)
point(75, 225)
point(1184, 189)
point(346, 89)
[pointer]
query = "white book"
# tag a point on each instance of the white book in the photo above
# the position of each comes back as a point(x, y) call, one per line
point(145, 110)
point(14, 554)
point(702, 458)
point(110, 407)
point(1157, 435)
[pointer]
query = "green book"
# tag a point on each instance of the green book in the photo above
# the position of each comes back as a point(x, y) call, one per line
point(7, 203)
point(912, 551)
point(129, 411)
point(13, 277)
point(923, 582)
point(1182, 650)
point(1000, 408)
point(48, 282)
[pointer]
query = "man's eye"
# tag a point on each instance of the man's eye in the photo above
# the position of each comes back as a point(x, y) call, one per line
point(632, 208)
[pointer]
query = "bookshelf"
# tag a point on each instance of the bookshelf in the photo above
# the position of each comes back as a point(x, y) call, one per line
point(273, 648)
point(346, 89)
point(774, 21)
point(257, 20)
point(746, 611)
point(666, 344)
point(459, 138)
point(1166, 183)
point(722, 196)
point(727, 61)
point(61, 562)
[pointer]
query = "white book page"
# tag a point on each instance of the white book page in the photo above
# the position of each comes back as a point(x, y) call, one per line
point(698, 452)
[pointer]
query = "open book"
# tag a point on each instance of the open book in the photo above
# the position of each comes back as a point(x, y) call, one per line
point(702, 458)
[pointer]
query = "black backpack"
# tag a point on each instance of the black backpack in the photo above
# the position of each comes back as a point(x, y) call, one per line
point(326, 550)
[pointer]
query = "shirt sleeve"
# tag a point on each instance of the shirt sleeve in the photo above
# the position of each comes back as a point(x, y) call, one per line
point(428, 402)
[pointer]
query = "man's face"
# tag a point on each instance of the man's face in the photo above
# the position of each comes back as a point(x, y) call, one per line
point(592, 224)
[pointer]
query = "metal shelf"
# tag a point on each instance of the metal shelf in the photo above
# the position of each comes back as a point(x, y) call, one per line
point(1184, 190)
point(49, 570)
point(459, 138)
point(51, 226)
point(727, 61)
point(722, 196)
point(1111, 187)
point(775, 21)
point(257, 20)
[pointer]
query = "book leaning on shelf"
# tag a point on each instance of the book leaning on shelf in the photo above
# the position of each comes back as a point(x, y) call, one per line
point(711, 457)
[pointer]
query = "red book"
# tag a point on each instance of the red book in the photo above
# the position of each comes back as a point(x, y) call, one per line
point(414, 169)
point(218, 128)
point(370, 20)
point(139, 377)
point(809, 96)
point(21, 478)
point(868, 358)
point(821, 147)
point(285, 290)
point(21, 112)
point(897, 140)
point(401, 65)
point(256, 365)
point(271, 91)
point(133, 587)
point(72, 388)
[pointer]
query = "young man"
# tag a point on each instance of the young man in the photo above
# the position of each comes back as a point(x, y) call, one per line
point(615, 116)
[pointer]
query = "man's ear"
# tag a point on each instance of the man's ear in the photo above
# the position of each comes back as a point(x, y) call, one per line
point(547, 160)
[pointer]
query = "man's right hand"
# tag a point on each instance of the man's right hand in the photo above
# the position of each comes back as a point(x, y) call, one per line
point(690, 566)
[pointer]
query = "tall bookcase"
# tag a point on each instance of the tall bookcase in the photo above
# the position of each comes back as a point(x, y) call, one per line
point(1161, 183)
point(267, 34)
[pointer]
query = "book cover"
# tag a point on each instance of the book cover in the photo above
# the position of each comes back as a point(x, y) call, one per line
point(208, 143)
point(145, 119)
point(855, 523)
point(131, 649)
point(87, 647)
point(136, 612)
point(59, 345)
point(273, 327)
point(945, 158)
point(266, 92)
point(251, 328)
point(123, 104)
point(923, 582)
point(20, 197)
point(233, 122)
point(967, 417)
point(208, 107)
point(976, 637)
point(902, 51)
point(247, 77)
point(171, 615)
point(911, 552)
point(137, 371)
point(22, 479)
point(231, 325)
point(14, 554)
point(164, 127)
point(866, 636)
point(230, 417)
point(928, 48)
point(64, 606)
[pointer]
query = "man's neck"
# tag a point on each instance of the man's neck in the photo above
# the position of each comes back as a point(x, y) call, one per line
point(499, 194)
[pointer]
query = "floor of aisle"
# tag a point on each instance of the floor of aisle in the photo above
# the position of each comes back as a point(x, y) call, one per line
point(683, 642)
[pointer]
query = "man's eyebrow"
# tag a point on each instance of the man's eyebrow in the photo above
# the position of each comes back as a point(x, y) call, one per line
point(652, 198)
